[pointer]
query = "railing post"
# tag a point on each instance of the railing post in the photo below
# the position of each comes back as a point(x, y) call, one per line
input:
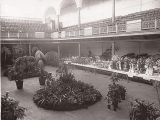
point(18, 34)
point(155, 23)
point(79, 32)
point(27, 34)
point(58, 49)
point(79, 50)
point(113, 48)
point(30, 52)
point(107, 29)
point(116, 28)
point(8, 34)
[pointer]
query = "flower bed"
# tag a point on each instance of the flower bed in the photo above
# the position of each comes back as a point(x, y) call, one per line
point(65, 93)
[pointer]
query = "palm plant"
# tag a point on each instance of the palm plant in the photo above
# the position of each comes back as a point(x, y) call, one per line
point(34, 49)
point(6, 51)
point(20, 49)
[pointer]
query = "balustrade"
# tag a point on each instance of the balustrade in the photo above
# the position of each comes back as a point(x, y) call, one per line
point(147, 24)
point(47, 35)
point(149, 20)
point(72, 33)
point(77, 33)
point(103, 30)
point(112, 29)
point(23, 35)
point(59, 34)
point(13, 35)
point(121, 27)
point(95, 30)
point(31, 35)
point(81, 32)
point(67, 34)
point(4, 34)
point(158, 23)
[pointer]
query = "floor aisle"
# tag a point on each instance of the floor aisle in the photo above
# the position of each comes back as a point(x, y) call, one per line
point(98, 111)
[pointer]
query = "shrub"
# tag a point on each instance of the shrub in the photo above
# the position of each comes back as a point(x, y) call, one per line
point(140, 110)
point(27, 64)
point(52, 58)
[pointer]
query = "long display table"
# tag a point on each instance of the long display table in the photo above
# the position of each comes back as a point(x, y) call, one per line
point(155, 77)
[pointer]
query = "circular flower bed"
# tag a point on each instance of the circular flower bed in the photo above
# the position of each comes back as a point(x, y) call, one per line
point(66, 93)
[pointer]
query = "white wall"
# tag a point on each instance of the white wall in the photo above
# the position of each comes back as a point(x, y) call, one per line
point(100, 9)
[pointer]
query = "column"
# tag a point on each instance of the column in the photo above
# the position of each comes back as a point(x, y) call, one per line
point(139, 45)
point(102, 47)
point(113, 10)
point(58, 49)
point(79, 17)
point(58, 22)
point(30, 53)
point(113, 49)
point(79, 50)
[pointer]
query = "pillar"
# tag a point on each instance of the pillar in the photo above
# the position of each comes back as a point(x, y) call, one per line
point(79, 50)
point(113, 10)
point(30, 53)
point(58, 22)
point(113, 49)
point(58, 49)
point(139, 45)
point(102, 47)
point(79, 17)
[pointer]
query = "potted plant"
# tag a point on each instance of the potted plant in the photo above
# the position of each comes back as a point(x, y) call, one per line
point(19, 77)
point(122, 91)
point(43, 77)
point(113, 97)
point(10, 109)
point(114, 78)
point(140, 110)
point(6, 51)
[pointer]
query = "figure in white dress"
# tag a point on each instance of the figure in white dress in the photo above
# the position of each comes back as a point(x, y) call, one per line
point(149, 66)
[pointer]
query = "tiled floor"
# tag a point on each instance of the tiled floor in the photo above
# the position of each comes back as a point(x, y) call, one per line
point(98, 111)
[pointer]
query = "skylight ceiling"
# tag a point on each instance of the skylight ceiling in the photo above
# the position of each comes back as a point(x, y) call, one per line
point(68, 3)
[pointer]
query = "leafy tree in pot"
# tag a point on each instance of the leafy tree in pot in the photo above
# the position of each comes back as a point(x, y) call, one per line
point(116, 92)
point(10, 109)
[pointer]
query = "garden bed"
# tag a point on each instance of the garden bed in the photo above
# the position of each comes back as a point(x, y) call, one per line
point(66, 93)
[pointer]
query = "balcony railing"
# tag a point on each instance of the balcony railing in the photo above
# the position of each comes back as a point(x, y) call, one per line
point(150, 24)
point(13, 35)
point(103, 30)
point(89, 31)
